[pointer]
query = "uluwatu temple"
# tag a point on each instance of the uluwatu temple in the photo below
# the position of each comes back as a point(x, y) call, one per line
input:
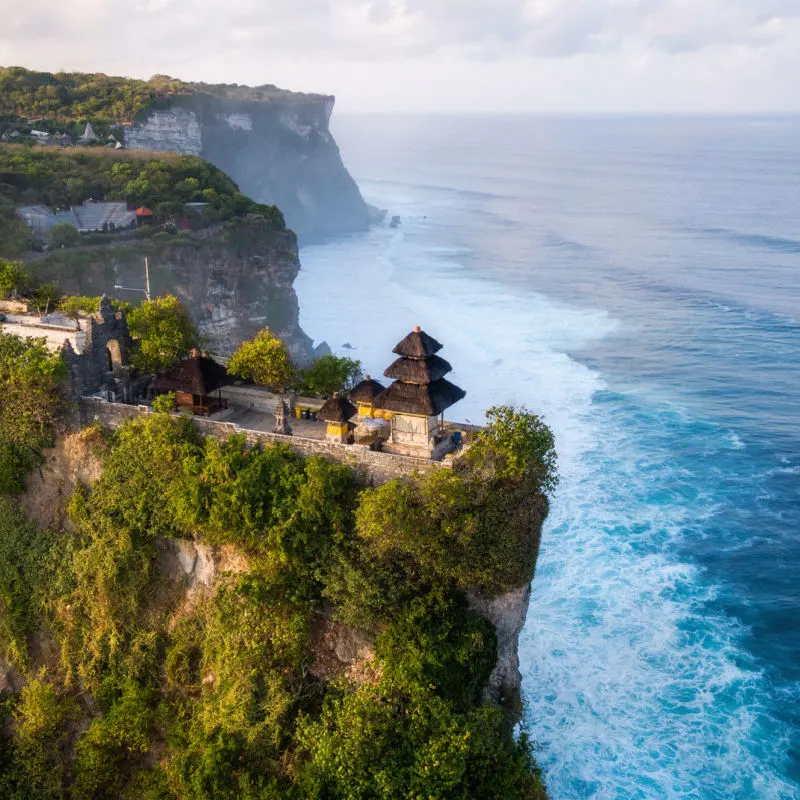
point(403, 416)
point(406, 417)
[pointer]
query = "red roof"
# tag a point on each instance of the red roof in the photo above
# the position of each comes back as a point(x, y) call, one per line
point(143, 211)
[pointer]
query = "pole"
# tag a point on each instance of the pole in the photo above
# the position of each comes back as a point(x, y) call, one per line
point(146, 279)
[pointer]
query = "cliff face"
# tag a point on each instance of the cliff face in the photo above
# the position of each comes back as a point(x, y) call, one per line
point(234, 279)
point(279, 150)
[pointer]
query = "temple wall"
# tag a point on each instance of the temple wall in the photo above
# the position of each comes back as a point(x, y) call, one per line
point(374, 467)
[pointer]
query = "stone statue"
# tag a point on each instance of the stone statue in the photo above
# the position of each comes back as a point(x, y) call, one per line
point(282, 417)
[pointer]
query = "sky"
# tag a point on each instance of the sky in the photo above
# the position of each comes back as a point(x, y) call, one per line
point(585, 56)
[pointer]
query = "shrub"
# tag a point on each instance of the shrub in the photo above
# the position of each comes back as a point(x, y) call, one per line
point(14, 279)
point(164, 403)
point(329, 374)
point(39, 752)
point(263, 359)
point(64, 235)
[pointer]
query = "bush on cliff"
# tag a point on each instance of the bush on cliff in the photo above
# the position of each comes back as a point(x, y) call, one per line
point(476, 527)
point(218, 686)
point(59, 178)
point(30, 402)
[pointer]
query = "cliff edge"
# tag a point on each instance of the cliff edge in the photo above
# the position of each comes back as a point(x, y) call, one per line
point(235, 278)
point(280, 151)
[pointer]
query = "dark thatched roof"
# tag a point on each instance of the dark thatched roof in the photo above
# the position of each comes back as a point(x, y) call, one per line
point(417, 345)
point(366, 391)
point(336, 409)
point(418, 370)
point(195, 375)
point(412, 398)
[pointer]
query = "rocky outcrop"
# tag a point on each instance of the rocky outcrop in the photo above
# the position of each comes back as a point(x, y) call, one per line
point(507, 612)
point(234, 278)
point(276, 146)
point(75, 460)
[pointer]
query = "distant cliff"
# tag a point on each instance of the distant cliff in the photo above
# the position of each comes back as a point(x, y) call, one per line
point(235, 278)
point(279, 152)
point(275, 144)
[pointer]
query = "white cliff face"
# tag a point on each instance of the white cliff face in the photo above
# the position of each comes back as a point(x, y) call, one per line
point(278, 152)
point(176, 130)
point(237, 122)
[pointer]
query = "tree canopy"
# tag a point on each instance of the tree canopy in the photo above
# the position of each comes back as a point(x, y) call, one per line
point(59, 178)
point(163, 333)
point(14, 278)
point(328, 374)
point(263, 359)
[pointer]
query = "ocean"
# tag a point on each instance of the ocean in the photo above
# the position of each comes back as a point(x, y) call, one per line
point(635, 281)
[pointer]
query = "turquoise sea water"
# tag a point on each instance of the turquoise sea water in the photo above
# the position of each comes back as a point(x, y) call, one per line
point(636, 281)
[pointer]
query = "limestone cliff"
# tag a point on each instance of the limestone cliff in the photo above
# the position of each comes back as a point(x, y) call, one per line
point(276, 145)
point(234, 278)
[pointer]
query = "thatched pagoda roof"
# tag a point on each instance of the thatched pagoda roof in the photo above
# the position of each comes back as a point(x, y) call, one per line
point(414, 398)
point(194, 375)
point(418, 370)
point(366, 391)
point(337, 409)
point(417, 345)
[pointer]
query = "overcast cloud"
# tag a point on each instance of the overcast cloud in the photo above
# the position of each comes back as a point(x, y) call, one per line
point(594, 55)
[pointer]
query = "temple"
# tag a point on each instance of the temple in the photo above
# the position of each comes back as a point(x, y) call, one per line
point(414, 403)
point(337, 412)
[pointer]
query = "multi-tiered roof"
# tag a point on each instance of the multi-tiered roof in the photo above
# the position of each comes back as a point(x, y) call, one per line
point(419, 384)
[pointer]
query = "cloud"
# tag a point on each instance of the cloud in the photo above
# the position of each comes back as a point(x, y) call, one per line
point(399, 29)
point(436, 54)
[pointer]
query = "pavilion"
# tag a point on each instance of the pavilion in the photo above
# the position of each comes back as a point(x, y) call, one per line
point(337, 412)
point(195, 380)
point(418, 397)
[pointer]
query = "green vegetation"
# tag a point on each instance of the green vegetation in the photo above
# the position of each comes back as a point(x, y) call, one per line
point(64, 235)
point(216, 697)
point(30, 402)
point(164, 182)
point(14, 279)
point(264, 360)
point(163, 333)
point(329, 374)
point(75, 97)
point(69, 97)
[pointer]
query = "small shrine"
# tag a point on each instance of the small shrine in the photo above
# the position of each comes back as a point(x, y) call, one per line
point(197, 382)
point(418, 397)
point(364, 394)
point(337, 412)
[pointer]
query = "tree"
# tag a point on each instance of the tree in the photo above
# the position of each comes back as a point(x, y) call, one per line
point(263, 359)
point(163, 333)
point(329, 374)
point(75, 306)
point(13, 278)
point(64, 235)
point(516, 444)
point(44, 296)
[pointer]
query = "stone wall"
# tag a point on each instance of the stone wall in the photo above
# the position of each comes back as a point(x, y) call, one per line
point(373, 467)
point(106, 338)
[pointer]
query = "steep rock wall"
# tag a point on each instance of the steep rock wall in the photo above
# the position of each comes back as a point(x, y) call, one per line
point(507, 612)
point(279, 152)
point(234, 278)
